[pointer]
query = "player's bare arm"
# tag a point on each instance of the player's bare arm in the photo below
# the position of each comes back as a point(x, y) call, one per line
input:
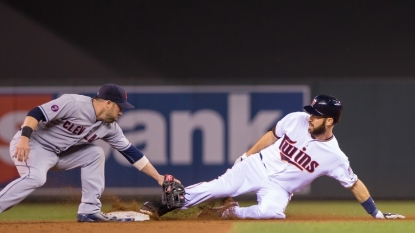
point(266, 140)
point(22, 148)
point(362, 195)
point(360, 191)
point(149, 170)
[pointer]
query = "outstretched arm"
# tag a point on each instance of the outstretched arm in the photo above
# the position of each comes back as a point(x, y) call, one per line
point(149, 170)
point(266, 140)
point(140, 161)
point(362, 195)
point(360, 191)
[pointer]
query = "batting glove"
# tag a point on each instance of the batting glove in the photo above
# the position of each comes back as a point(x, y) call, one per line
point(380, 215)
point(240, 158)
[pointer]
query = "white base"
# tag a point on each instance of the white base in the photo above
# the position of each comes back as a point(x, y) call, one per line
point(128, 216)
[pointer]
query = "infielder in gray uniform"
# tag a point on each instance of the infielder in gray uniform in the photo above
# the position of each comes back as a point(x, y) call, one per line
point(59, 135)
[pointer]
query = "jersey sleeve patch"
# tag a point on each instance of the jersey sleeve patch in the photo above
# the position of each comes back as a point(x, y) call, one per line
point(344, 174)
point(59, 108)
point(54, 108)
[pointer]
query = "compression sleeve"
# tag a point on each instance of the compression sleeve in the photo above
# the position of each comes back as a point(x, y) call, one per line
point(135, 157)
point(37, 114)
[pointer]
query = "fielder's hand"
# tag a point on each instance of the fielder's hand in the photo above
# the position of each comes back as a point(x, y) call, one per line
point(381, 215)
point(173, 193)
point(22, 150)
point(162, 178)
point(240, 158)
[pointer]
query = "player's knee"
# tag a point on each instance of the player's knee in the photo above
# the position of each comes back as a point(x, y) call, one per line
point(271, 212)
point(98, 153)
point(36, 180)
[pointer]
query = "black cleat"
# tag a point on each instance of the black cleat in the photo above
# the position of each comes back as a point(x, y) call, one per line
point(154, 209)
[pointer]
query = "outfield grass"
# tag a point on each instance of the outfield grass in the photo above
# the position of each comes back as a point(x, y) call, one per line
point(347, 208)
point(336, 209)
point(43, 211)
point(401, 226)
point(46, 211)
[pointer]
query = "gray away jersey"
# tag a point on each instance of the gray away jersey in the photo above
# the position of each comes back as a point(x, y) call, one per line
point(71, 120)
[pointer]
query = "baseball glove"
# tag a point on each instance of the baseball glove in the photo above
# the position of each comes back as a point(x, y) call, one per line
point(173, 193)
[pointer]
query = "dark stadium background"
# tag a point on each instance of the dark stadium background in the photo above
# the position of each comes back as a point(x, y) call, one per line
point(362, 52)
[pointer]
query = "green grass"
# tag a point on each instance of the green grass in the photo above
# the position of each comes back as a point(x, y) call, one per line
point(40, 212)
point(382, 226)
point(338, 209)
point(347, 208)
point(43, 211)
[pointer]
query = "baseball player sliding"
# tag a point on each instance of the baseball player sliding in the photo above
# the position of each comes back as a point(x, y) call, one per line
point(58, 134)
point(300, 148)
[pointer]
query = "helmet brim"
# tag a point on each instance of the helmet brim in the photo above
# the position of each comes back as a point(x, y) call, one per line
point(309, 109)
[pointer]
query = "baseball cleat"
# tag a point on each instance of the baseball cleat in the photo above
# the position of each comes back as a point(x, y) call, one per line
point(151, 209)
point(96, 217)
point(226, 210)
point(154, 209)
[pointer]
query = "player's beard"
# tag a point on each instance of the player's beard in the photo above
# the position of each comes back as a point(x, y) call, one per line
point(320, 129)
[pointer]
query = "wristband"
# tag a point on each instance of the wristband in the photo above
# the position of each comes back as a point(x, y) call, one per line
point(27, 131)
point(370, 206)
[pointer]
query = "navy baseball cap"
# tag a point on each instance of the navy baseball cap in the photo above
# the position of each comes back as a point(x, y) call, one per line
point(115, 94)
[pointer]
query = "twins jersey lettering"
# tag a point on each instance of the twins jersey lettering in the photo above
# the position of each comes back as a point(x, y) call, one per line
point(296, 159)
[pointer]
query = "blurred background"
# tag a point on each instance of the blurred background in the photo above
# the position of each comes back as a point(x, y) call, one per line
point(270, 52)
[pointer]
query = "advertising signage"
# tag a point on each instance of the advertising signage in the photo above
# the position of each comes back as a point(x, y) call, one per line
point(192, 132)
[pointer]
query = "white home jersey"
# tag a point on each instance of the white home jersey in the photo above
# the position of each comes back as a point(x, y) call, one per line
point(71, 120)
point(296, 159)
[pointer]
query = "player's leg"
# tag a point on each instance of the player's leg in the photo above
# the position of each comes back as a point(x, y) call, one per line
point(242, 178)
point(32, 174)
point(91, 159)
point(272, 201)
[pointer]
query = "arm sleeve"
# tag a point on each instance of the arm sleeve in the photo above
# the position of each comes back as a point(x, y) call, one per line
point(116, 137)
point(37, 114)
point(132, 154)
point(344, 174)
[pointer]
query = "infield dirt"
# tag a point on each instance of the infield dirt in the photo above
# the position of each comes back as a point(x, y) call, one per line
point(161, 226)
